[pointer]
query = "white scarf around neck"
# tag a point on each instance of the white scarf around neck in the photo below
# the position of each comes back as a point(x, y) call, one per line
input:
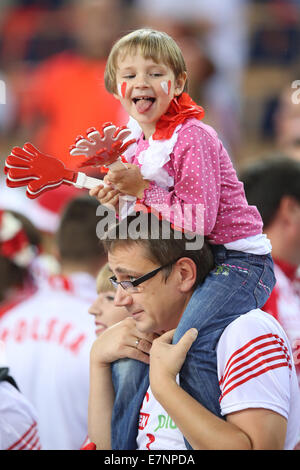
point(154, 157)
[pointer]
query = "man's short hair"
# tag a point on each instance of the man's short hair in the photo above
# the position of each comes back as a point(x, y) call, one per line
point(160, 249)
point(76, 237)
point(267, 182)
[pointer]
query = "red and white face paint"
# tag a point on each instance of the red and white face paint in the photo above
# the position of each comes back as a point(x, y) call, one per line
point(122, 89)
point(166, 86)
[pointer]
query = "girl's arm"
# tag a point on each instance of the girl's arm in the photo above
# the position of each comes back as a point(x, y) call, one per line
point(243, 430)
point(129, 180)
point(193, 203)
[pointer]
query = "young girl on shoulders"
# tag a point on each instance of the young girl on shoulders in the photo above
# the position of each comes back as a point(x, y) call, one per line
point(179, 163)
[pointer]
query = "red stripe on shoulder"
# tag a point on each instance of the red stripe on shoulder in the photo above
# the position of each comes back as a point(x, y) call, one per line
point(34, 424)
point(271, 306)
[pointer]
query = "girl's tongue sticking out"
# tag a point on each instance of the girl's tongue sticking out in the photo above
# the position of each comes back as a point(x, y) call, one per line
point(143, 104)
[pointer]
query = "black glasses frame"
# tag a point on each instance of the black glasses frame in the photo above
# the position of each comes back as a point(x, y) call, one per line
point(130, 284)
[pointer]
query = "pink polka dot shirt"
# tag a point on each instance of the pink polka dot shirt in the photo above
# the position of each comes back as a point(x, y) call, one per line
point(207, 196)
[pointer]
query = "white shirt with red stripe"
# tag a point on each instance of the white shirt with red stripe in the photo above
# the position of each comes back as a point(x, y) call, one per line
point(284, 305)
point(48, 339)
point(255, 370)
point(157, 431)
point(18, 421)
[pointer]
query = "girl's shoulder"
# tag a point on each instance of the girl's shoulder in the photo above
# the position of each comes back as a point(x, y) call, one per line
point(196, 127)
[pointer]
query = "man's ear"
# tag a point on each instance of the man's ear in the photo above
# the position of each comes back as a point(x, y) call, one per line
point(180, 83)
point(187, 274)
point(288, 207)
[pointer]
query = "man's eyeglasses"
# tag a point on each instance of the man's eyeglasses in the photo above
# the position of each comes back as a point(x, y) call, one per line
point(131, 286)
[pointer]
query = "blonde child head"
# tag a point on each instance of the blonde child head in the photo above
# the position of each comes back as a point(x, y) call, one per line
point(155, 45)
point(103, 283)
point(103, 309)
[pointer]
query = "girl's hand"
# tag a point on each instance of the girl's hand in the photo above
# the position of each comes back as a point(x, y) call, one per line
point(166, 359)
point(120, 341)
point(107, 196)
point(129, 181)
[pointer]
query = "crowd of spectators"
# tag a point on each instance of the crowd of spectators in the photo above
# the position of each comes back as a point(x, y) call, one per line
point(52, 61)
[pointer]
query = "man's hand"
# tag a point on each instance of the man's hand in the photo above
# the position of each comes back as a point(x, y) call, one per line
point(41, 172)
point(120, 341)
point(166, 359)
point(129, 181)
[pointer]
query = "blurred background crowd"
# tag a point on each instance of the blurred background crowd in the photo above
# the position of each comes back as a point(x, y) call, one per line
point(243, 60)
point(241, 56)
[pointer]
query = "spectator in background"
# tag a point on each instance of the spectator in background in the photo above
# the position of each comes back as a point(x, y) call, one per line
point(16, 256)
point(57, 98)
point(42, 217)
point(26, 21)
point(30, 32)
point(18, 426)
point(103, 308)
point(43, 264)
point(287, 121)
point(106, 314)
point(66, 93)
point(48, 337)
point(273, 186)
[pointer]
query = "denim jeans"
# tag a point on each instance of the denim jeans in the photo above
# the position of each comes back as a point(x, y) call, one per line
point(240, 282)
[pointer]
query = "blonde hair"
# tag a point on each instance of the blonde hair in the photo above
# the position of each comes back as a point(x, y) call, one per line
point(156, 45)
point(103, 283)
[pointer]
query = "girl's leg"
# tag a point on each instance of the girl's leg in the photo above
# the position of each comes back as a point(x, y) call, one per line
point(131, 381)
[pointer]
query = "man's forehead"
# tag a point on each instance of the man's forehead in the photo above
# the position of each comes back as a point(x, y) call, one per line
point(124, 259)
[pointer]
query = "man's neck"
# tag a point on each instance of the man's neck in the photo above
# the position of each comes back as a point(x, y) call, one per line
point(282, 248)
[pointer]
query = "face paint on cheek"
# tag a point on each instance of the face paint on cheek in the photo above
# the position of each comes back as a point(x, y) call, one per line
point(166, 86)
point(122, 89)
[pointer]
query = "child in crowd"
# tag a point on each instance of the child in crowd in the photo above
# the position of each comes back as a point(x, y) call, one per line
point(179, 168)
point(105, 312)
point(106, 315)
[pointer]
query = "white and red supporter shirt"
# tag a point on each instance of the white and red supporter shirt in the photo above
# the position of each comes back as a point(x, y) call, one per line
point(284, 305)
point(157, 431)
point(255, 370)
point(18, 421)
point(48, 338)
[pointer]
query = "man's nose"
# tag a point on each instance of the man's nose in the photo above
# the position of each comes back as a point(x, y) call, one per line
point(122, 298)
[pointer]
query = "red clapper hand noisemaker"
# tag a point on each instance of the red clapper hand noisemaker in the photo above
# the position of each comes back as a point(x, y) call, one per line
point(104, 147)
point(29, 167)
